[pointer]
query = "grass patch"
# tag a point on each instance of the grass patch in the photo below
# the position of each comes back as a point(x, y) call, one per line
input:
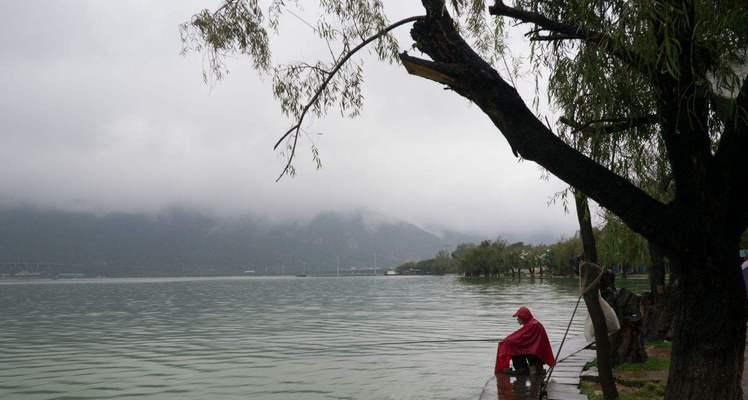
point(647, 391)
point(653, 363)
point(637, 381)
point(660, 344)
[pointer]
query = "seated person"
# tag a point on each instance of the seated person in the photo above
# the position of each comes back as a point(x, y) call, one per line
point(528, 347)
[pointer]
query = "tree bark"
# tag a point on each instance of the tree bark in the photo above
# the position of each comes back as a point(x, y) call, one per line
point(709, 328)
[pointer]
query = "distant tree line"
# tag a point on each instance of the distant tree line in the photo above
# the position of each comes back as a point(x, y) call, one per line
point(442, 263)
point(618, 247)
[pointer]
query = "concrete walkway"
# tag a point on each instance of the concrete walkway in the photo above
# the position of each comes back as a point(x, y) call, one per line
point(564, 380)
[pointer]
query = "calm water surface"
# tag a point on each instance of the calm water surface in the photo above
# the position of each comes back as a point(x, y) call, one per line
point(262, 338)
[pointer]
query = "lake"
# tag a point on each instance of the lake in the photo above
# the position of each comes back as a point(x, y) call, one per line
point(263, 338)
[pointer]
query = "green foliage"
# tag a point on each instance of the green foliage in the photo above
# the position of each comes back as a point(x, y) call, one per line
point(610, 98)
point(653, 363)
point(647, 391)
point(619, 245)
point(499, 258)
point(235, 27)
point(564, 253)
point(631, 388)
point(439, 265)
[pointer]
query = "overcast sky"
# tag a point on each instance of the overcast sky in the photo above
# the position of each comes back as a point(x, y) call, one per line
point(99, 112)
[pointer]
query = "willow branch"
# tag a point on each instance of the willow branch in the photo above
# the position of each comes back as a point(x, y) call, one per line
point(295, 129)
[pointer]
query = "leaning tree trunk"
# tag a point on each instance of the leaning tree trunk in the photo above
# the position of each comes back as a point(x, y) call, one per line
point(709, 326)
point(592, 299)
point(585, 227)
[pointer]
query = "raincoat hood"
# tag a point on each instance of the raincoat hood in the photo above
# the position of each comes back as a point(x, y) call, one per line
point(524, 314)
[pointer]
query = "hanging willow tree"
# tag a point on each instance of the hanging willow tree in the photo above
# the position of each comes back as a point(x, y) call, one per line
point(676, 67)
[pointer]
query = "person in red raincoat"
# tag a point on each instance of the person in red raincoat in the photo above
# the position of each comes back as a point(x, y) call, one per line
point(526, 347)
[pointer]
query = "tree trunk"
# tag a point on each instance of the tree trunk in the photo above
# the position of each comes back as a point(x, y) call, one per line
point(585, 227)
point(709, 326)
point(602, 343)
point(591, 299)
point(656, 271)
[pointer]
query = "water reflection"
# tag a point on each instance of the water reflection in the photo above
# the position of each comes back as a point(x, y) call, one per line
point(518, 387)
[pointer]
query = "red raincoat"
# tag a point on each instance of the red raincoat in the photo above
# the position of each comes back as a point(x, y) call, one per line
point(530, 339)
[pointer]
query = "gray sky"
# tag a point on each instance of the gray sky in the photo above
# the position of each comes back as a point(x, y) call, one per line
point(99, 112)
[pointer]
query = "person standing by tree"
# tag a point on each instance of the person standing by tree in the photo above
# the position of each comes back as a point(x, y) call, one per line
point(528, 347)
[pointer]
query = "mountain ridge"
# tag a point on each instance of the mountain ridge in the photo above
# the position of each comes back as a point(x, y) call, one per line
point(179, 242)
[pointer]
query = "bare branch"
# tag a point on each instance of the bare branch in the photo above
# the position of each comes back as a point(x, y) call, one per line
point(437, 72)
point(551, 38)
point(295, 129)
point(609, 125)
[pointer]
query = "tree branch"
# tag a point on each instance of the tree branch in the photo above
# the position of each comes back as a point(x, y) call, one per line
point(437, 72)
point(479, 82)
point(295, 129)
point(569, 31)
point(615, 124)
point(551, 38)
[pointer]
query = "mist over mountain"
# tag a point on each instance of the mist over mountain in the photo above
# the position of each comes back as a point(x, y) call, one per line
point(184, 242)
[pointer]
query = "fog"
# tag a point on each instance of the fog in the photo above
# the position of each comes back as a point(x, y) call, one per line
point(101, 113)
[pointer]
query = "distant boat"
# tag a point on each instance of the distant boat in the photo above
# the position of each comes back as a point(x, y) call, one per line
point(302, 275)
point(250, 271)
point(391, 272)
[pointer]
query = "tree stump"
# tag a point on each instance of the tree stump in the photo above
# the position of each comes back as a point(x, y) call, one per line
point(627, 343)
point(657, 316)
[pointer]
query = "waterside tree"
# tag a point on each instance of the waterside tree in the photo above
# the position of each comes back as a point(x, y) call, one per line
point(685, 58)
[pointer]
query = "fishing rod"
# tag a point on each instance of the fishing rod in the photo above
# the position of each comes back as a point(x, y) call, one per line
point(380, 344)
point(321, 348)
